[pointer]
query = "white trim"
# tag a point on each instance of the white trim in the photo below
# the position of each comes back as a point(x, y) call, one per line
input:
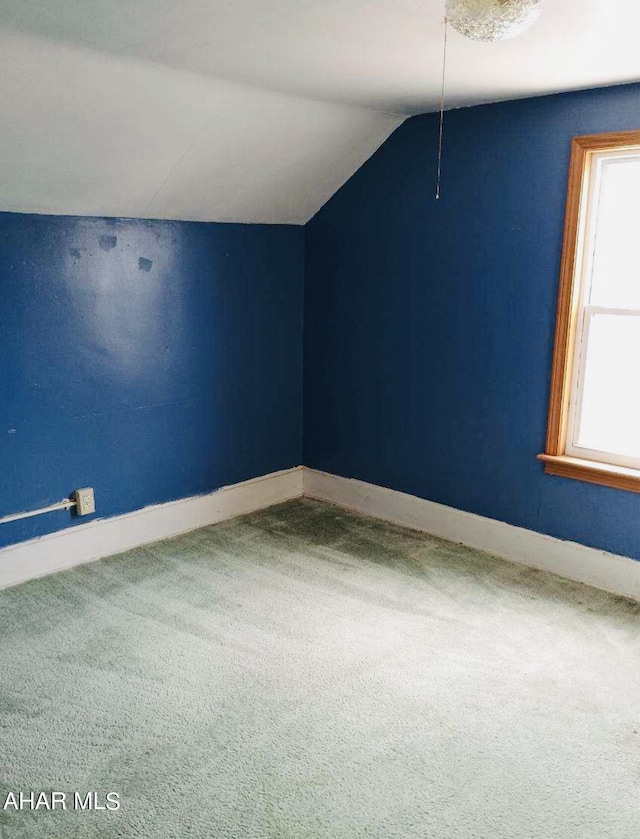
point(97, 539)
point(610, 572)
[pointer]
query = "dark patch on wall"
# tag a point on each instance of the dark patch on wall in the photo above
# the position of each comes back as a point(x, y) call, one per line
point(74, 252)
point(107, 243)
point(144, 264)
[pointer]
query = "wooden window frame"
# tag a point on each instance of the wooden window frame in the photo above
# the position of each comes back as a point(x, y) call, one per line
point(555, 457)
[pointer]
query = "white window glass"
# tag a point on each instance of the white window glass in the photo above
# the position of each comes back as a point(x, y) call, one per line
point(615, 278)
point(610, 413)
point(605, 404)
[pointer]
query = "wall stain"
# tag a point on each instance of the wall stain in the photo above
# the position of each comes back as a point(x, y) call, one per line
point(107, 243)
point(74, 252)
point(145, 264)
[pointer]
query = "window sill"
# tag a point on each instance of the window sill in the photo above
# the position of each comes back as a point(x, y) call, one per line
point(591, 471)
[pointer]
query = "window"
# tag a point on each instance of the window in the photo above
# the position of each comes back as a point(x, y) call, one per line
point(593, 429)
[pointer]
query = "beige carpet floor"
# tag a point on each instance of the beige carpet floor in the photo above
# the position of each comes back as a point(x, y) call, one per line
point(306, 673)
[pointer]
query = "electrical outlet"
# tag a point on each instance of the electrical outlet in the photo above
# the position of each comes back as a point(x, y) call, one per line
point(85, 502)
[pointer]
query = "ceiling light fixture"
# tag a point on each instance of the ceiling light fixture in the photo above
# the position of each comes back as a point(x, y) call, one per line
point(483, 20)
point(492, 20)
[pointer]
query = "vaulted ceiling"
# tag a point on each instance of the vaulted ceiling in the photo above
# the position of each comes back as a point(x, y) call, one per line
point(246, 110)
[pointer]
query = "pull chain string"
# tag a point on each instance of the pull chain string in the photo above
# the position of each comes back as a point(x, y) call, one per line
point(441, 132)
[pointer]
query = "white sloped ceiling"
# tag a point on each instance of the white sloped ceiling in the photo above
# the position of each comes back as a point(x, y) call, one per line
point(245, 110)
point(84, 132)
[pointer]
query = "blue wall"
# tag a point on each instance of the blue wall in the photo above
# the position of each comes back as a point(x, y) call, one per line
point(429, 325)
point(151, 360)
point(157, 360)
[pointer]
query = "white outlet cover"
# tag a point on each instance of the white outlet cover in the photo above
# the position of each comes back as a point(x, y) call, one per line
point(85, 501)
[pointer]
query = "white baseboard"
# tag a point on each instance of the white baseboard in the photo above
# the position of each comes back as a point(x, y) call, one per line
point(613, 573)
point(103, 537)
